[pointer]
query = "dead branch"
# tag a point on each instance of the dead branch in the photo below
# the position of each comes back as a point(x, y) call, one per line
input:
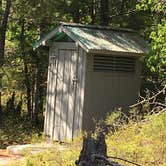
point(159, 104)
point(97, 156)
point(118, 158)
point(125, 13)
point(149, 99)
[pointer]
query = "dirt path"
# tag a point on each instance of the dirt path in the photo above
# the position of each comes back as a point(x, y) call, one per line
point(15, 152)
point(6, 158)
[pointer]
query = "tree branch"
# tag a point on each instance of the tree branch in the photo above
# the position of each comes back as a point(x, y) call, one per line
point(118, 158)
point(145, 100)
point(111, 162)
point(124, 13)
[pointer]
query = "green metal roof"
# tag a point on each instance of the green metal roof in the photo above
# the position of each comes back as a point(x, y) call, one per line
point(94, 39)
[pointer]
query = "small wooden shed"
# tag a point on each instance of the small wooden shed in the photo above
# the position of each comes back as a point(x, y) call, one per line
point(92, 70)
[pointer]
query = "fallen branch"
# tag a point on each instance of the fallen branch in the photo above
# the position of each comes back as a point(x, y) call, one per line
point(145, 100)
point(159, 104)
point(97, 156)
point(125, 13)
point(118, 158)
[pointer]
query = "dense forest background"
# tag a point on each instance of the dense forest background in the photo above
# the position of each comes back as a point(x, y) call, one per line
point(23, 71)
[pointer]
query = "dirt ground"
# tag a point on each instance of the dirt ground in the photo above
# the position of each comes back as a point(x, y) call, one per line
point(6, 158)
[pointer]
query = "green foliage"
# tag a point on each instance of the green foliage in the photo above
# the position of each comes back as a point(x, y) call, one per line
point(157, 58)
point(141, 142)
point(155, 61)
point(50, 158)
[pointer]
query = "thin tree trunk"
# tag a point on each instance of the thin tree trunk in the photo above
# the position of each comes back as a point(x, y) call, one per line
point(75, 11)
point(104, 12)
point(3, 27)
point(122, 7)
point(26, 73)
point(36, 95)
point(92, 10)
point(38, 89)
point(0, 60)
point(76, 16)
point(0, 11)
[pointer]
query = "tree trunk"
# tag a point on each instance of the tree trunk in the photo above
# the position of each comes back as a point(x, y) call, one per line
point(104, 12)
point(26, 74)
point(94, 152)
point(0, 11)
point(122, 7)
point(3, 27)
point(36, 95)
point(92, 11)
point(75, 11)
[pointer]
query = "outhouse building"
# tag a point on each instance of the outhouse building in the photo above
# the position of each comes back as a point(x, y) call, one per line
point(92, 70)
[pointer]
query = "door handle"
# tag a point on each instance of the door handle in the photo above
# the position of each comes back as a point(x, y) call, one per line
point(74, 81)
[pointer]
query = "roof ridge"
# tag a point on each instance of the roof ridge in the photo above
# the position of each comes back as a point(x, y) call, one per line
point(96, 27)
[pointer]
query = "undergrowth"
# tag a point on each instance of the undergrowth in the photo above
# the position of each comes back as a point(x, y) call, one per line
point(16, 129)
point(142, 142)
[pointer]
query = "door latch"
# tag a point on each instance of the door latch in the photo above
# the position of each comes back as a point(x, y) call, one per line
point(74, 81)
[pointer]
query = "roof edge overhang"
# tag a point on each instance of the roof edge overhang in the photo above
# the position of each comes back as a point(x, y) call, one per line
point(134, 54)
point(61, 28)
point(42, 41)
point(97, 27)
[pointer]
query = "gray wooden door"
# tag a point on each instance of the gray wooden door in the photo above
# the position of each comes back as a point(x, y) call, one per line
point(65, 95)
point(51, 87)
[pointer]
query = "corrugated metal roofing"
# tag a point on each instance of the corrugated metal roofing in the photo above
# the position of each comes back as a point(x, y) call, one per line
point(94, 39)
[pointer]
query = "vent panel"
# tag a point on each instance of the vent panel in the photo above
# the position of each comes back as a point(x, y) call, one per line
point(103, 63)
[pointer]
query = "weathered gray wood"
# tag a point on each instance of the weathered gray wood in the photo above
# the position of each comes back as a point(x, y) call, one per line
point(53, 90)
point(72, 88)
point(58, 97)
point(63, 45)
point(65, 87)
point(51, 110)
point(65, 99)
point(48, 99)
point(68, 96)
point(80, 92)
point(77, 95)
point(82, 87)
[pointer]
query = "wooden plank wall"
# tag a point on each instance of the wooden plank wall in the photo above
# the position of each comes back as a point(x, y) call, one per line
point(64, 103)
point(79, 100)
point(51, 87)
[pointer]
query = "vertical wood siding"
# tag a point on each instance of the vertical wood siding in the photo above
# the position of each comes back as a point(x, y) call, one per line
point(53, 90)
point(50, 93)
point(79, 99)
point(64, 107)
point(47, 98)
point(72, 91)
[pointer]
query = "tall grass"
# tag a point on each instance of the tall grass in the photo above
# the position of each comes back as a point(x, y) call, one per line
point(142, 142)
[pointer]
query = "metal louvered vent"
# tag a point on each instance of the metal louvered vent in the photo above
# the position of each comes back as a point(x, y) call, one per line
point(105, 63)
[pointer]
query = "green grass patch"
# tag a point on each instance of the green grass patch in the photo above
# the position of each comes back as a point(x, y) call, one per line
point(142, 142)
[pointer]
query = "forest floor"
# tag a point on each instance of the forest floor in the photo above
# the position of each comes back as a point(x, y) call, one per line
point(142, 142)
point(16, 153)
